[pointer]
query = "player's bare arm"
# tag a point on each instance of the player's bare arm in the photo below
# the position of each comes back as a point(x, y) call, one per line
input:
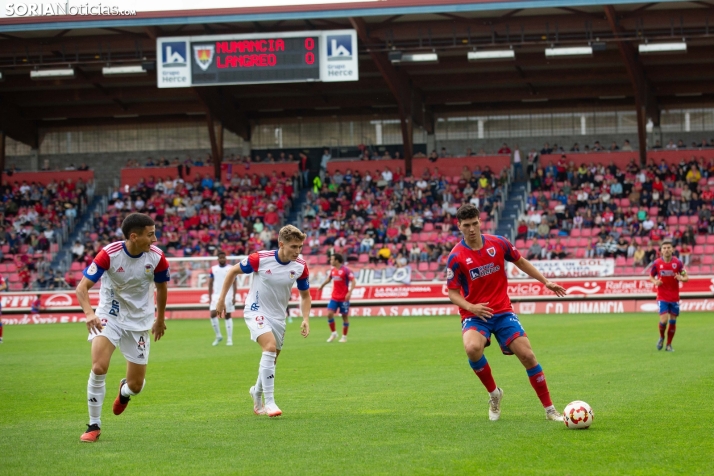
point(656, 281)
point(329, 278)
point(210, 286)
point(159, 327)
point(305, 306)
point(348, 296)
point(94, 324)
point(481, 310)
point(526, 266)
point(230, 278)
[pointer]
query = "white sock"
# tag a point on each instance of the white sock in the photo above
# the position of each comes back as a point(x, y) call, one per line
point(126, 391)
point(267, 375)
point(495, 393)
point(216, 328)
point(96, 389)
point(550, 409)
point(259, 384)
point(229, 328)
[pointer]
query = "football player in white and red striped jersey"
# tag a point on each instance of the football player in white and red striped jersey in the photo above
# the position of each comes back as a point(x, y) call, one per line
point(125, 313)
point(275, 273)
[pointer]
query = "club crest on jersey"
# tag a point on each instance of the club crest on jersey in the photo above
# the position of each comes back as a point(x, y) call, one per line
point(491, 251)
point(674, 265)
point(293, 274)
point(449, 273)
point(148, 269)
point(92, 268)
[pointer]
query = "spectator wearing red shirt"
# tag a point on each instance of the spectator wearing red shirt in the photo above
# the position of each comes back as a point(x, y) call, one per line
point(25, 276)
point(504, 149)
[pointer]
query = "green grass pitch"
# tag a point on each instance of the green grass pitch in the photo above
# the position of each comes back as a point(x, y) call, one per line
point(398, 398)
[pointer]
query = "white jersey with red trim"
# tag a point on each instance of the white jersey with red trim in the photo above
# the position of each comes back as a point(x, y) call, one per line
point(126, 295)
point(219, 273)
point(273, 281)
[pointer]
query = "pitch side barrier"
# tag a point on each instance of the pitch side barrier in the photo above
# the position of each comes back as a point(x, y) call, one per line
point(418, 293)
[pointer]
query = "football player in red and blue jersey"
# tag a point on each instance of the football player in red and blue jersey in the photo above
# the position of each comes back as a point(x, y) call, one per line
point(666, 274)
point(477, 283)
point(343, 283)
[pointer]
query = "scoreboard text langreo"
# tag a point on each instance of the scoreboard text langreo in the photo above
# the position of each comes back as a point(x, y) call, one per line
point(188, 61)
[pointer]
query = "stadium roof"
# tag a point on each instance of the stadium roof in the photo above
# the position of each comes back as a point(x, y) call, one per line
point(614, 77)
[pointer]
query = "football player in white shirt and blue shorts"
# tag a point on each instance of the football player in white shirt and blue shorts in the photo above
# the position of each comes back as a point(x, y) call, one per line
point(275, 272)
point(215, 284)
point(129, 270)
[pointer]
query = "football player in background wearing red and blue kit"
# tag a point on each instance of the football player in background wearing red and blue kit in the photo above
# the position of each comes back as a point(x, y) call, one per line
point(666, 274)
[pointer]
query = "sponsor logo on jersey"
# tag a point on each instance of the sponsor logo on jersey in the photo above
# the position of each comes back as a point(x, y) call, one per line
point(469, 261)
point(120, 270)
point(268, 272)
point(491, 251)
point(484, 270)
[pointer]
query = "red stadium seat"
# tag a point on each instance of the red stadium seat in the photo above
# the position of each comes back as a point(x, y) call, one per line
point(580, 253)
point(695, 269)
point(710, 239)
point(423, 266)
point(620, 261)
point(430, 275)
point(625, 202)
point(708, 259)
point(11, 268)
point(434, 266)
point(693, 220)
point(575, 233)
point(700, 239)
point(683, 220)
point(75, 266)
point(672, 220)
point(428, 227)
point(363, 258)
point(520, 244)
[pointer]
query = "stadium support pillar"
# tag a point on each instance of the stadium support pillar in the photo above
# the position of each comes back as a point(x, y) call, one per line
point(216, 145)
point(410, 99)
point(2, 151)
point(408, 140)
point(645, 100)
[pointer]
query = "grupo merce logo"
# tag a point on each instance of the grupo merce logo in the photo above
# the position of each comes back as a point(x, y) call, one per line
point(339, 47)
point(173, 54)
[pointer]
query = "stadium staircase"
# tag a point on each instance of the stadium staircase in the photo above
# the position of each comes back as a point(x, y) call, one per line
point(63, 258)
point(513, 206)
point(295, 215)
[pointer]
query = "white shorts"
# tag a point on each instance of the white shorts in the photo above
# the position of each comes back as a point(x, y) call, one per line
point(230, 307)
point(134, 345)
point(260, 325)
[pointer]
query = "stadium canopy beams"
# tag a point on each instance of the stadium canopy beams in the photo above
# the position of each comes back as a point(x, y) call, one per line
point(410, 91)
point(409, 98)
point(645, 100)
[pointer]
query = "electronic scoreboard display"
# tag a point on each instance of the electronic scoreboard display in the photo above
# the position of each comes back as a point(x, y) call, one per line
point(255, 59)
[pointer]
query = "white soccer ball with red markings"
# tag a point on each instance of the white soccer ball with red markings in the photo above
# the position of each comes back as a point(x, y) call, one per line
point(578, 415)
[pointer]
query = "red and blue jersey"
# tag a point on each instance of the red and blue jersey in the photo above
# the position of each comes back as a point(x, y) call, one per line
point(665, 271)
point(341, 278)
point(480, 275)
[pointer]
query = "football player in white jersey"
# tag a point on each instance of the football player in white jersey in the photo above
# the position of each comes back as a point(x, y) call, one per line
point(275, 272)
point(125, 313)
point(215, 284)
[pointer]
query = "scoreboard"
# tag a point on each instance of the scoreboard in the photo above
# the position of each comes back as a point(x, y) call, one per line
point(189, 61)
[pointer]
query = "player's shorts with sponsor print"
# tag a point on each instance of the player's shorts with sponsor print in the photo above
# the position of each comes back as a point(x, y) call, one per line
point(135, 345)
point(666, 307)
point(230, 307)
point(259, 324)
point(505, 326)
point(343, 307)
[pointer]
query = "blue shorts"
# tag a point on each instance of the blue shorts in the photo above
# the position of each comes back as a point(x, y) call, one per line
point(342, 306)
point(506, 327)
point(668, 308)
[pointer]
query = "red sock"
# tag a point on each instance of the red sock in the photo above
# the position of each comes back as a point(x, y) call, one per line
point(662, 328)
point(537, 378)
point(0, 330)
point(483, 372)
point(671, 331)
point(331, 322)
point(345, 328)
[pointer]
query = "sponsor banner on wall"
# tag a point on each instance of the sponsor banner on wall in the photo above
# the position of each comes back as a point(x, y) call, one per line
point(567, 268)
point(517, 290)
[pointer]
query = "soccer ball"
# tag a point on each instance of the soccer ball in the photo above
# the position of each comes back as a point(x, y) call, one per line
point(578, 415)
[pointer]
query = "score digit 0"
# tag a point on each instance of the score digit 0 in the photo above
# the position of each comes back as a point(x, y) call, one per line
point(309, 45)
